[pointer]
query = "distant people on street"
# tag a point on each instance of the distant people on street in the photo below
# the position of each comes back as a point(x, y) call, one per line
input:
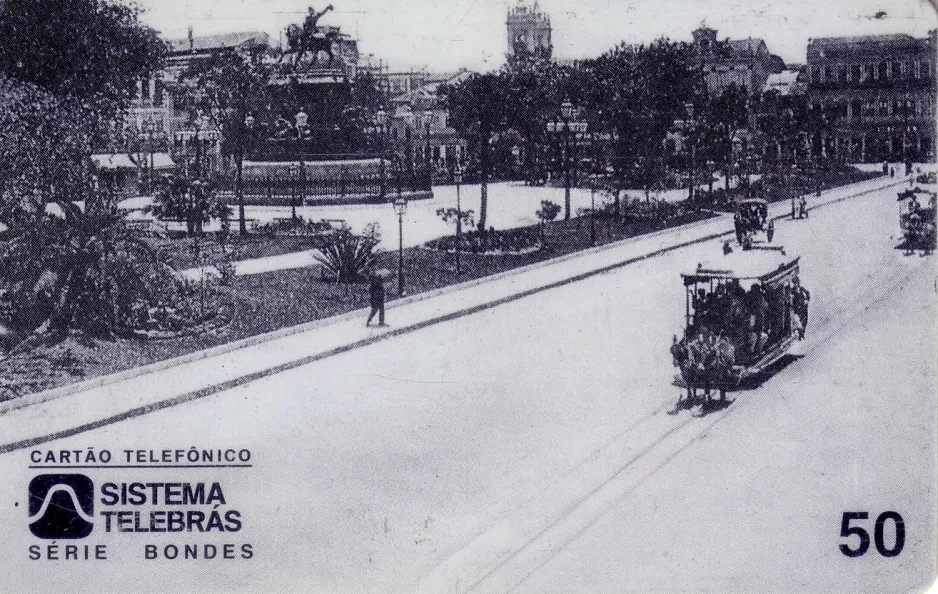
point(892, 172)
point(376, 292)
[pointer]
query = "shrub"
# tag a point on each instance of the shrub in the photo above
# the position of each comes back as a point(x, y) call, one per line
point(347, 257)
point(194, 201)
point(548, 212)
point(87, 272)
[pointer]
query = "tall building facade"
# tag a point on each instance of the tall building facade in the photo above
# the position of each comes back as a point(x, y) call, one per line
point(881, 90)
point(746, 63)
point(529, 31)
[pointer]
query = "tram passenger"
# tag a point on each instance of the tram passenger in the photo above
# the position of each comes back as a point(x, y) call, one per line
point(800, 299)
point(760, 310)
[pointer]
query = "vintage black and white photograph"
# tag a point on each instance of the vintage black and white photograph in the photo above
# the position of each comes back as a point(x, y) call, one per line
point(475, 296)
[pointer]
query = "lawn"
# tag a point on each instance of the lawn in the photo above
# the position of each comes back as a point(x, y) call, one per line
point(262, 303)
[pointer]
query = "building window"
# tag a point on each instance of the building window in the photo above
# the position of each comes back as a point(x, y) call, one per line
point(897, 70)
point(816, 74)
point(855, 109)
point(883, 75)
point(926, 69)
point(870, 72)
point(857, 71)
point(828, 74)
point(844, 73)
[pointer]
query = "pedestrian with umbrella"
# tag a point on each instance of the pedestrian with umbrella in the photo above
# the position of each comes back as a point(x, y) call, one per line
point(377, 295)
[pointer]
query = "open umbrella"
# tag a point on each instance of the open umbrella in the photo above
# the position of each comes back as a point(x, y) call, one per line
point(381, 274)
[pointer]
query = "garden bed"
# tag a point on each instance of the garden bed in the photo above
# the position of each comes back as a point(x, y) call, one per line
point(266, 302)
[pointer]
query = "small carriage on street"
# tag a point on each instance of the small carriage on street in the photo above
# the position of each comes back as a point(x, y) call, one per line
point(743, 313)
point(917, 220)
point(752, 218)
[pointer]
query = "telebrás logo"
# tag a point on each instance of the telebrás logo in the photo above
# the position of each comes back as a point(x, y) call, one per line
point(61, 506)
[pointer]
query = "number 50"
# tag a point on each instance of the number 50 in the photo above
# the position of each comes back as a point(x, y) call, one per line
point(847, 530)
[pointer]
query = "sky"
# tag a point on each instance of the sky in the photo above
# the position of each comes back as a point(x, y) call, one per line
point(445, 35)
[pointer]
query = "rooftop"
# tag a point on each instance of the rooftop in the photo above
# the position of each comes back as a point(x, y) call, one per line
point(750, 264)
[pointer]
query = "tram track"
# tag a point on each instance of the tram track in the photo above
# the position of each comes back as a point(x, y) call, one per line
point(526, 556)
point(836, 323)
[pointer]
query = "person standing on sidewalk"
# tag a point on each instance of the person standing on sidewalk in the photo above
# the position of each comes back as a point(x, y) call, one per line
point(376, 292)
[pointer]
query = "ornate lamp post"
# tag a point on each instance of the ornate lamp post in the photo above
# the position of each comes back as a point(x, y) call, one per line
point(428, 119)
point(248, 136)
point(148, 134)
point(400, 208)
point(457, 178)
point(293, 172)
point(711, 168)
point(381, 123)
point(301, 121)
point(689, 107)
point(565, 126)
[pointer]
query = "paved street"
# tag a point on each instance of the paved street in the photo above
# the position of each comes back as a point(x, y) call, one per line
point(542, 425)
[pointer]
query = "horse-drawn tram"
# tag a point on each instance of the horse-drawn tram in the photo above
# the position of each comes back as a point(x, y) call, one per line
point(743, 313)
point(752, 218)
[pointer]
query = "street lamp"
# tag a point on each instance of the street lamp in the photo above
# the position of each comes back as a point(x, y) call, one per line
point(301, 121)
point(381, 120)
point(400, 207)
point(689, 107)
point(147, 134)
point(247, 136)
point(565, 126)
point(457, 178)
point(516, 155)
point(293, 170)
point(711, 168)
point(427, 118)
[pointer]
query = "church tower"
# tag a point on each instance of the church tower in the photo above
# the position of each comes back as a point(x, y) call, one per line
point(528, 31)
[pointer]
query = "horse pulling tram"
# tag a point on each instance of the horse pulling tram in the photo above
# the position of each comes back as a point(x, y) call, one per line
point(743, 313)
point(917, 224)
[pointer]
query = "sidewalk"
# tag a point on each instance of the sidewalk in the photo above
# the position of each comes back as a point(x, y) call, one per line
point(101, 401)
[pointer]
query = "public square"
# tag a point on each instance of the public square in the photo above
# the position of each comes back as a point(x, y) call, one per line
point(468, 297)
point(520, 456)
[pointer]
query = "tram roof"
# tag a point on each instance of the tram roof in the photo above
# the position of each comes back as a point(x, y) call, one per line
point(766, 265)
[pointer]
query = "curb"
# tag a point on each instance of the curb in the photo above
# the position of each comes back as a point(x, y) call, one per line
point(157, 366)
point(257, 375)
point(70, 389)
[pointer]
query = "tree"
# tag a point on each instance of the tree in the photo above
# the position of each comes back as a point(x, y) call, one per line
point(534, 98)
point(89, 51)
point(43, 150)
point(479, 108)
point(66, 267)
point(231, 88)
point(638, 91)
point(191, 200)
point(723, 116)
